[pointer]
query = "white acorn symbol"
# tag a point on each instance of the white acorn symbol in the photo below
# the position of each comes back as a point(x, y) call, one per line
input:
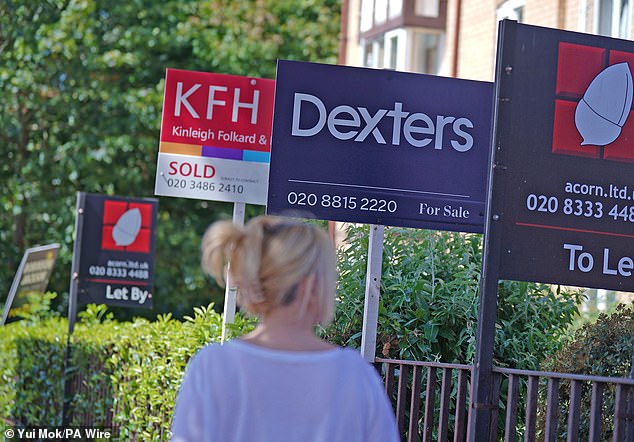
point(127, 228)
point(605, 106)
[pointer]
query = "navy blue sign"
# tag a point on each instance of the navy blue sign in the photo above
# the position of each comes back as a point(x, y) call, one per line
point(379, 147)
point(116, 250)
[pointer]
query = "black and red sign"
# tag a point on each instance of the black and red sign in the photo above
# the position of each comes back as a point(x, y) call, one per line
point(563, 183)
point(116, 250)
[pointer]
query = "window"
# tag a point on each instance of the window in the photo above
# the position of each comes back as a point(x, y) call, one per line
point(624, 19)
point(367, 10)
point(374, 53)
point(380, 56)
point(613, 18)
point(395, 8)
point(393, 52)
point(427, 8)
point(426, 53)
point(380, 11)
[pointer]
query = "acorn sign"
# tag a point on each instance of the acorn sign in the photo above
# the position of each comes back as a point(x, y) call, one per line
point(605, 106)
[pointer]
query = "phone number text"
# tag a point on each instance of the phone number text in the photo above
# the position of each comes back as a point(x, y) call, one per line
point(341, 202)
point(180, 183)
point(579, 208)
point(118, 272)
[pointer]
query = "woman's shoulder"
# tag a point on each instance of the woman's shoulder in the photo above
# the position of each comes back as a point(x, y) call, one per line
point(209, 355)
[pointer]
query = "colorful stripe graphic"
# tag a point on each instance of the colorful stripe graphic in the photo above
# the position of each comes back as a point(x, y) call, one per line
point(227, 153)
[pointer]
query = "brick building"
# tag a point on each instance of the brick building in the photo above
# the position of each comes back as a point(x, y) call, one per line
point(457, 38)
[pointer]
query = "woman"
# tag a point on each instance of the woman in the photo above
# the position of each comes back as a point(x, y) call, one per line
point(280, 382)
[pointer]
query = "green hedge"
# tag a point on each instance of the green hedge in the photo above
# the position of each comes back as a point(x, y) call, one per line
point(124, 375)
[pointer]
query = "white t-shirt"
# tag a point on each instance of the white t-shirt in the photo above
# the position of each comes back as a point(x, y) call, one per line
point(246, 393)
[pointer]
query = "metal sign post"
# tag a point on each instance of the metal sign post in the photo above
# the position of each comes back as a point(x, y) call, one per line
point(74, 272)
point(230, 292)
point(372, 293)
point(72, 303)
point(482, 404)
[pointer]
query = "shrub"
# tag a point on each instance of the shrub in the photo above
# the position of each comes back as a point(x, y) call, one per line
point(124, 375)
point(602, 348)
point(429, 301)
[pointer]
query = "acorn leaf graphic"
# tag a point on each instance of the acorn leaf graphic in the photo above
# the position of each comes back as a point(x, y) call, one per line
point(127, 228)
point(605, 106)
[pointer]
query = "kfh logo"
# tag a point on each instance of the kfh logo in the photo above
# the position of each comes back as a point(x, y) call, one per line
point(594, 94)
point(126, 226)
point(605, 106)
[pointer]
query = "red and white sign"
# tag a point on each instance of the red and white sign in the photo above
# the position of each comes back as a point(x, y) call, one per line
point(593, 103)
point(215, 137)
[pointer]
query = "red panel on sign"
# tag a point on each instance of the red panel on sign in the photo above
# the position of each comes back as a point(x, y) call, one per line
point(107, 241)
point(576, 67)
point(112, 211)
point(620, 57)
point(566, 138)
point(623, 148)
point(217, 110)
point(117, 215)
point(146, 214)
point(141, 243)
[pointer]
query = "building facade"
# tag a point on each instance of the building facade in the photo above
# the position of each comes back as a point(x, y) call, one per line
point(457, 38)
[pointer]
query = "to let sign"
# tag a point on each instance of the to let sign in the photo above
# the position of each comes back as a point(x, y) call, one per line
point(215, 137)
point(116, 250)
point(379, 147)
point(564, 163)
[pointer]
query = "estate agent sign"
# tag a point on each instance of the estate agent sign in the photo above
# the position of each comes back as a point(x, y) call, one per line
point(32, 275)
point(116, 250)
point(215, 137)
point(379, 147)
point(564, 186)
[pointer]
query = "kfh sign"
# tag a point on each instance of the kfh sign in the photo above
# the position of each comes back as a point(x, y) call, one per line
point(565, 194)
point(114, 256)
point(215, 137)
point(379, 147)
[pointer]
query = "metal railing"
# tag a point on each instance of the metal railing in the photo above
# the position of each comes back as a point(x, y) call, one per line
point(431, 402)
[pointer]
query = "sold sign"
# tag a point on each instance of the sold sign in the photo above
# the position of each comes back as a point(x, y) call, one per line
point(215, 137)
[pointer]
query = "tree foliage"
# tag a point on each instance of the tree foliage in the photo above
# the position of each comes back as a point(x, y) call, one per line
point(81, 86)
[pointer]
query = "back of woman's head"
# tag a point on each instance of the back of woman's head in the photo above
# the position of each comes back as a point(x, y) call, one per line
point(269, 258)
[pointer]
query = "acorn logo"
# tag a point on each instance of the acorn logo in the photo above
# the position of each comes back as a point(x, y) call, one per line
point(605, 106)
point(127, 228)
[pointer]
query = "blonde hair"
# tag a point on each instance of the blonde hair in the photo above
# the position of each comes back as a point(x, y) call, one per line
point(268, 259)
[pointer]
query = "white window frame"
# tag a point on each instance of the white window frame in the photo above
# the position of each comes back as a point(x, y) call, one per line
point(615, 19)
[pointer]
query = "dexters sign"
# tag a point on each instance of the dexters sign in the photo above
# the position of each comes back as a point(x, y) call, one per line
point(115, 262)
point(565, 196)
point(215, 137)
point(380, 147)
